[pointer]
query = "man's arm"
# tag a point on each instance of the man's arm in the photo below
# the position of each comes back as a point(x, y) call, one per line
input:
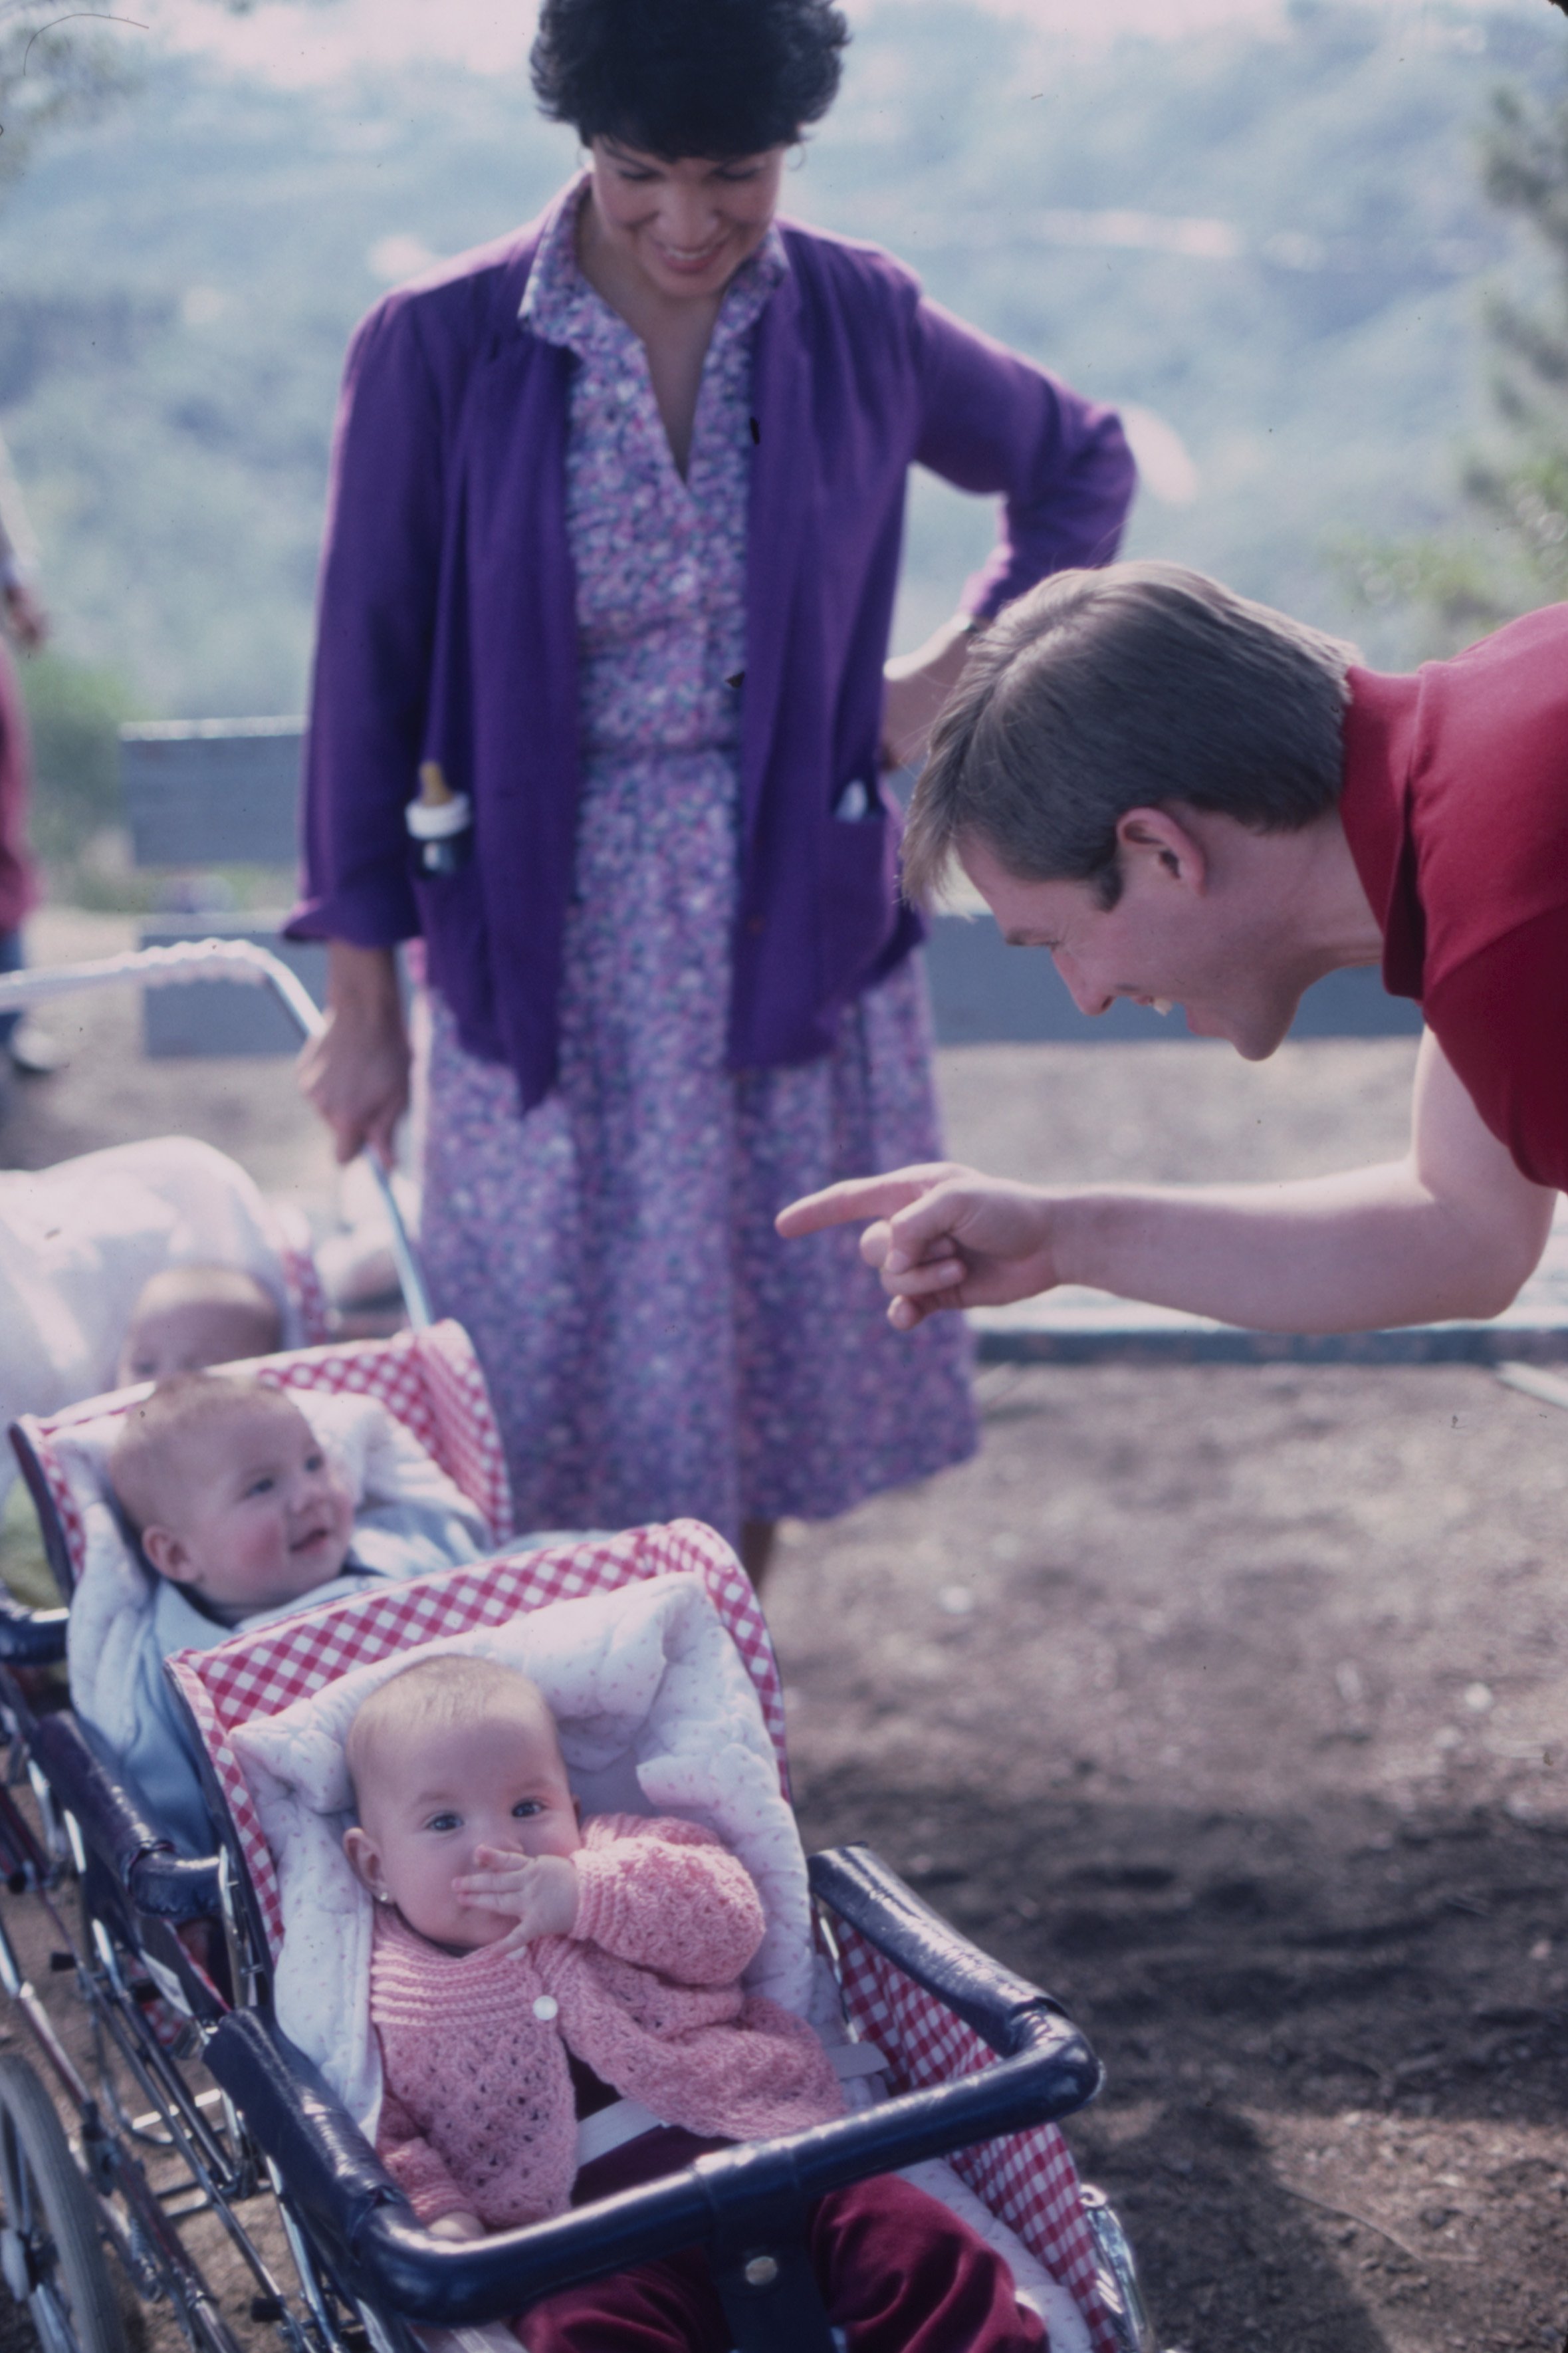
point(1452, 1230)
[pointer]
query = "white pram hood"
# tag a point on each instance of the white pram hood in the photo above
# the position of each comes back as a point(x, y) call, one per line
point(79, 1240)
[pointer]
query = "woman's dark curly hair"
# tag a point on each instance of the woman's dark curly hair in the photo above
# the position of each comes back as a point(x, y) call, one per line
point(674, 78)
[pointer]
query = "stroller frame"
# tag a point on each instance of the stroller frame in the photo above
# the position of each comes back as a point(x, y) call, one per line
point(172, 1961)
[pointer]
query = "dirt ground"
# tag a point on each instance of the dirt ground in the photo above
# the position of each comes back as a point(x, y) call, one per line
point(1226, 1702)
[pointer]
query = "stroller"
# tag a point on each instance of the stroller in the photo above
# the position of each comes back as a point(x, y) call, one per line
point(196, 2103)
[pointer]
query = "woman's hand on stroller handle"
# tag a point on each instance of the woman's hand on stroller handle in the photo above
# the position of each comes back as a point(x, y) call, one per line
point(354, 1071)
point(539, 1892)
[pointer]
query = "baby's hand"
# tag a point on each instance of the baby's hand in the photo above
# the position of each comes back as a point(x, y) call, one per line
point(459, 2225)
point(539, 1892)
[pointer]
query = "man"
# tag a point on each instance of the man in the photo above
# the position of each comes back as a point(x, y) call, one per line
point(1190, 799)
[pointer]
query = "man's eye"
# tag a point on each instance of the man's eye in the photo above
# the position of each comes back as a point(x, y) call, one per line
point(525, 1807)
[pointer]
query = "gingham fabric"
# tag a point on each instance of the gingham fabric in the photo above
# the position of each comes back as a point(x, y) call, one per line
point(262, 1673)
point(1029, 2179)
point(302, 1281)
point(429, 1381)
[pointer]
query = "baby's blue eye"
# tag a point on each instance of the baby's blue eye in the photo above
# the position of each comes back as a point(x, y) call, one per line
point(444, 1822)
point(313, 1461)
point(526, 1806)
point(262, 1486)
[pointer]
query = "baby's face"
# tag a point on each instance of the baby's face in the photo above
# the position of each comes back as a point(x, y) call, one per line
point(186, 1339)
point(496, 1780)
point(258, 1516)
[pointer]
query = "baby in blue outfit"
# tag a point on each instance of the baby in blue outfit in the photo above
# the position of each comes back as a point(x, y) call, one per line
point(242, 1516)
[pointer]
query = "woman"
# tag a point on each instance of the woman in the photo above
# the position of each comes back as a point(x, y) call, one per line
point(612, 550)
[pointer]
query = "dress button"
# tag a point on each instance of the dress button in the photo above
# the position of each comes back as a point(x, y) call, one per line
point(546, 2006)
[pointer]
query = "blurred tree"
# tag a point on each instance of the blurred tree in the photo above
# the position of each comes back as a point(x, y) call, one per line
point(50, 73)
point(75, 710)
point(1514, 556)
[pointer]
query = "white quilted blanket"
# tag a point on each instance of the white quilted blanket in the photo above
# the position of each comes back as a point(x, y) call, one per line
point(79, 1240)
point(657, 1715)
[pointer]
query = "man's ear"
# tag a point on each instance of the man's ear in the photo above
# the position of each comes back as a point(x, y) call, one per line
point(364, 1861)
point(1159, 841)
point(166, 1553)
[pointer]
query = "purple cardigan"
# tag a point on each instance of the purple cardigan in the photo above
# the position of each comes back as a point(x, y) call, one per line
point(447, 625)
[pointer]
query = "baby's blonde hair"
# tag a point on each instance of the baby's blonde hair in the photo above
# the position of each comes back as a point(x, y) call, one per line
point(258, 1320)
point(146, 1456)
point(435, 1693)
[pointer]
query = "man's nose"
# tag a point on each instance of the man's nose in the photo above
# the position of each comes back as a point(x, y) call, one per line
point(1084, 994)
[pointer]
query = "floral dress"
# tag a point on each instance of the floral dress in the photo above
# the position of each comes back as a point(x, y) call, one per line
point(653, 1348)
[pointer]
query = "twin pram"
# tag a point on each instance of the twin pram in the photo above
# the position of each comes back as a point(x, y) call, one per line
point(219, 2079)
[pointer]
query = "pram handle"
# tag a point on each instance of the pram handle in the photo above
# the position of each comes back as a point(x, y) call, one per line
point(1045, 2070)
point(30, 1638)
point(855, 1883)
point(160, 1882)
point(217, 959)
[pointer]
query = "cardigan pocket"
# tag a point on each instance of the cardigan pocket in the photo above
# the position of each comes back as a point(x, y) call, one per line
point(858, 863)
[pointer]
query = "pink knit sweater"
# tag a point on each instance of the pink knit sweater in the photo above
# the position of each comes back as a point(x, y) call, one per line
point(478, 2111)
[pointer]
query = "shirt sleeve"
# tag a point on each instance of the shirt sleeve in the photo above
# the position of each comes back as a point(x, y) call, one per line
point(1501, 1018)
point(670, 1897)
point(375, 635)
point(993, 421)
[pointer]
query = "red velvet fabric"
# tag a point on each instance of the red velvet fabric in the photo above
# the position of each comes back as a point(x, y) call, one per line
point(898, 2273)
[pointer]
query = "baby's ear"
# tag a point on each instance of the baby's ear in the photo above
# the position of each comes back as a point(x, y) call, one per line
point(163, 1551)
point(363, 1859)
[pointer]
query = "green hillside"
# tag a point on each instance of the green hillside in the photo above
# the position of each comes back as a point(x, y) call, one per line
point(1275, 242)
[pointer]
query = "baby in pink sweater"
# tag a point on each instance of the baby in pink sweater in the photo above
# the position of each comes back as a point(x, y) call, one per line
point(535, 1977)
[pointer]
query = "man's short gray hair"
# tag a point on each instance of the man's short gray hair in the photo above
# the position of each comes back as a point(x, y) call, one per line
point(1133, 687)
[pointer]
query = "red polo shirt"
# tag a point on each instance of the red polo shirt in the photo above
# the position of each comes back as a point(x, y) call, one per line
point(1456, 810)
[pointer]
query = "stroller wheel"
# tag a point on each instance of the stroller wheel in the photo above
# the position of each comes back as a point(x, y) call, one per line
point(50, 2251)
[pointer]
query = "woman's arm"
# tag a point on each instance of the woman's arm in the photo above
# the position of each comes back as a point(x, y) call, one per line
point(1453, 1230)
point(991, 421)
point(356, 1072)
point(917, 685)
point(375, 632)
